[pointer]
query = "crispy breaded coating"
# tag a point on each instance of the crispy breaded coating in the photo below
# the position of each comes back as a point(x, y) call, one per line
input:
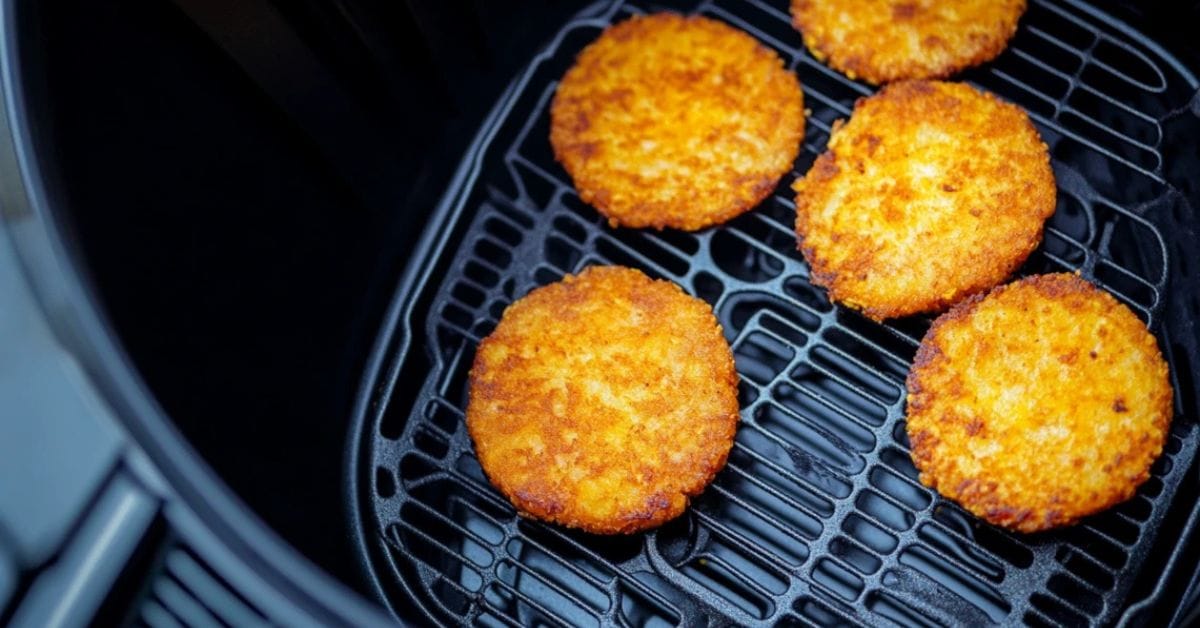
point(889, 40)
point(933, 191)
point(604, 401)
point(1043, 402)
point(672, 121)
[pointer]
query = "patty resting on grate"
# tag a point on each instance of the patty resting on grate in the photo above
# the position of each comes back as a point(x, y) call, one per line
point(933, 191)
point(888, 40)
point(604, 401)
point(1045, 401)
point(672, 121)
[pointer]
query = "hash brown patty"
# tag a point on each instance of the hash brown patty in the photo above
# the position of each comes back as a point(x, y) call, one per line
point(673, 121)
point(1045, 401)
point(881, 41)
point(931, 192)
point(604, 401)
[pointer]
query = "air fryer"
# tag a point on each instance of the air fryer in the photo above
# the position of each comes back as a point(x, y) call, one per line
point(247, 250)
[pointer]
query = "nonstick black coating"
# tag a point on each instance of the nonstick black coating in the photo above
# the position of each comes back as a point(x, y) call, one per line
point(818, 517)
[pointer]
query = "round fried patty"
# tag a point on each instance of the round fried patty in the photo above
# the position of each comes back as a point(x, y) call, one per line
point(1039, 404)
point(672, 121)
point(888, 40)
point(931, 192)
point(604, 401)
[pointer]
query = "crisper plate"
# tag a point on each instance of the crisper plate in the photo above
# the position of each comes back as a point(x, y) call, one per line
point(818, 517)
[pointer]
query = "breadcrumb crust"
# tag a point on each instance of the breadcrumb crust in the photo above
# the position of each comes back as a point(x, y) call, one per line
point(673, 121)
point(604, 401)
point(933, 191)
point(1041, 403)
point(881, 41)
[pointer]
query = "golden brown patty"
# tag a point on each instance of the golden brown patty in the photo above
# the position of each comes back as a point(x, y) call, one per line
point(672, 121)
point(888, 40)
point(604, 401)
point(931, 192)
point(1039, 404)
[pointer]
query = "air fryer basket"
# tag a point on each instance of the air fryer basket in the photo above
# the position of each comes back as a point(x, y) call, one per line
point(818, 517)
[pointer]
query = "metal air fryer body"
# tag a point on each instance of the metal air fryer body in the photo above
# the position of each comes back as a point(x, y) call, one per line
point(247, 249)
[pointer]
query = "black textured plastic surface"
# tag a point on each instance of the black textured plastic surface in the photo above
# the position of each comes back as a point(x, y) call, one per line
point(818, 518)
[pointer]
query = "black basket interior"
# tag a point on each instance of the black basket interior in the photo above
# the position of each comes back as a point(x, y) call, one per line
point(818, 518)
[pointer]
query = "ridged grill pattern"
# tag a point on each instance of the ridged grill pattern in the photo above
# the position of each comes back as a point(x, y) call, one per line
point(818, 518)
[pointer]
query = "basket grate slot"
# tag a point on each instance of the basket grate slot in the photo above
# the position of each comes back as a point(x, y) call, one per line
point(534, 605)
point(709, 287)
point(782, 330)
point(385, 483)
point(837, 579)
point(811, 613)
point(718, 577)
point(440, 532)
point(1111, 141)
point(742, 258)
point(451, 597)
point(849, 431)
point(761, 358)
point(562, 255)
point(999, 543)
point(432, 443)
point(638, 610)
point(798, 466)
point(870, 534)
point(884, 388)
point(1081, 595)
point(818, 517)
point(776, 538)
point(647, 247)
point(1085, 568)
point(1098, 547)
point(558, 553)
point(1061, 24)
point(1128, 63)
point(768, 233)
point(1050, 56)
point(832, 386)
point(504, 229)
point(415, 468)
point(803, 435)
point(897, 613)
point(622, 255)
point(912, 496)
point(855, 556)
point(966, 554)
point(1116, 526)
point(1033, 81)
point(464, 514)
point(798, 511)
point(741, 310)
point(1139, 127)
point(794, 493)
point(885, 511)
point(1058, 612)
point(1035, 619)
point(572, 229)
point(538, 571)
point(983, 596)
point(861, 352)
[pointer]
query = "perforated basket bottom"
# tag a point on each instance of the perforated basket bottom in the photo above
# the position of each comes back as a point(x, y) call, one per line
point(818, 517)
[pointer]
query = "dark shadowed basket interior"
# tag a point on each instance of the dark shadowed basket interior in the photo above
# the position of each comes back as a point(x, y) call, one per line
point(818, 518)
